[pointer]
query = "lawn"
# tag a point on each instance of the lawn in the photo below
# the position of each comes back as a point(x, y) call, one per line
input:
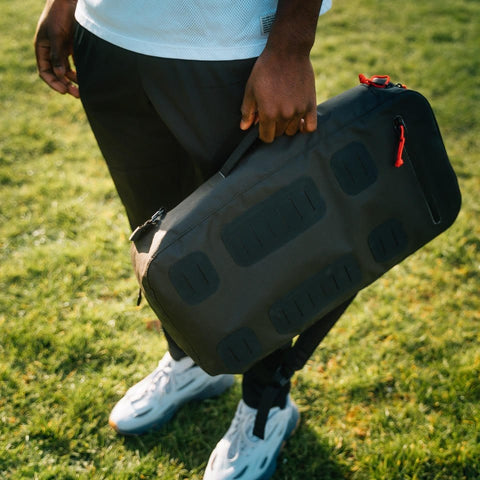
point(392, 393)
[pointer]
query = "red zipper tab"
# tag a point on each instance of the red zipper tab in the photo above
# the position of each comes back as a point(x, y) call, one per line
point(400, 127)
point(378, 81)
point(401, 145)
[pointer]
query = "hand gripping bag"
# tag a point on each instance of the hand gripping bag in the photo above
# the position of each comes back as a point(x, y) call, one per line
point(286, 232)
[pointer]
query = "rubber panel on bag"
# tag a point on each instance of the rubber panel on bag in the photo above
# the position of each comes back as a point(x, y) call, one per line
point(194, 278)
point(304, 303)
point(239, 349)
point(354, 168)
point(387, 240)
point(274, 222)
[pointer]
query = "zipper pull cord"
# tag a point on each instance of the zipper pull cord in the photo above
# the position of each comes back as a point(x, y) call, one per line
point(156, 219)
point(377, 81)
point(401, 145)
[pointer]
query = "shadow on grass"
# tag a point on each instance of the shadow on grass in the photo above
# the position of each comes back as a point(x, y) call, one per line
point(193, 433)
point(307, 456)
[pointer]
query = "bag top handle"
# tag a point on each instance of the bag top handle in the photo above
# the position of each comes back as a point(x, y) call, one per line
point(247, 141)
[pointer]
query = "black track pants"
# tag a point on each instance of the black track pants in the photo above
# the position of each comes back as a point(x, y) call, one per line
point(164, 126)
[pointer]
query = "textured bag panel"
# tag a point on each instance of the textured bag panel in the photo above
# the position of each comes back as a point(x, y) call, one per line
point(290, 313)
point(194, 277)
point(354, 168)
point(273, 222)
point(249, 261)
point(388, 240)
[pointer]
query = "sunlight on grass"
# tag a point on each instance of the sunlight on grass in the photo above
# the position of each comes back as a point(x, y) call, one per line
point(393, 392)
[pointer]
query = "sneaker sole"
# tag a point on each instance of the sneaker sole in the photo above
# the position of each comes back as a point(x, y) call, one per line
point(212, 391)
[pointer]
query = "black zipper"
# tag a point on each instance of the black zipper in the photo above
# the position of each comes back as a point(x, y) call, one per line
point(420, 174)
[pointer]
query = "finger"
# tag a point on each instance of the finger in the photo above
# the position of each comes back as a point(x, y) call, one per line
point(52, 81)
point(249, 111)
point(72, 87)
point(73, 90)
point(61, 84)
point(72, 75)
point(280, 126)
point(302, 125)
point(45, 68)
point(267, 129)
point(59, 59)
point(294, 126)
point(310, 120)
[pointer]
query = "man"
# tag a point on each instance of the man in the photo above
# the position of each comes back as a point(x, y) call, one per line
point(169, 89)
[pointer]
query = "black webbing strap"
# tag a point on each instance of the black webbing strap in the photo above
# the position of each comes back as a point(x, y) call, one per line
point(247, 141)
point(309, 340)
point(294, 359)
point(280, 378)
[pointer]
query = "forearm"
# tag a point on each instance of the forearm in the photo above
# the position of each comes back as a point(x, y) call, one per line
point(293, 32)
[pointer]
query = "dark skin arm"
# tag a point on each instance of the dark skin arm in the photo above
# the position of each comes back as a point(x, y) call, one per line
point(54, 46)
point(280, 93)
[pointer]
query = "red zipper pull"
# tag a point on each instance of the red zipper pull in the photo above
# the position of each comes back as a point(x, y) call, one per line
point(400, 125)
point(378, 81)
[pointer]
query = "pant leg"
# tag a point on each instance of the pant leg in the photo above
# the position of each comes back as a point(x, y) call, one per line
point(200, 103)
point(147, 164)
point(163, 126)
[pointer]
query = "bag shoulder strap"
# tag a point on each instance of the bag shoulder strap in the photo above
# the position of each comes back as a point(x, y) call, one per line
point(295, 357)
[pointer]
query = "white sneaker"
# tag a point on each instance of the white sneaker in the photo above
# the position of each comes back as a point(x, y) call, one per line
point(242, 455)
point(154, 400)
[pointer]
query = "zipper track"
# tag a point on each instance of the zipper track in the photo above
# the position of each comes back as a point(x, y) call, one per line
point(420, 176)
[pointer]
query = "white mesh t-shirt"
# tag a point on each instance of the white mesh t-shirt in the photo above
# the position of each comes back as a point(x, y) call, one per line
point(184, 29)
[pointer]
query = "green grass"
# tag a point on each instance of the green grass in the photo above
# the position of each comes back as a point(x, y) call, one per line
point(394, 390)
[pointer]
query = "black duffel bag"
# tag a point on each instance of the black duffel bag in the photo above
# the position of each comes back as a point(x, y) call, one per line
point(288, 231)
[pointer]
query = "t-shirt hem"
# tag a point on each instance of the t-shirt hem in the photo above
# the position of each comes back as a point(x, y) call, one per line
point(217, 53)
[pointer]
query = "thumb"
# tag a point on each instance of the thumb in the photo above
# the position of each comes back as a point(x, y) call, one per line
point(249, 110)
